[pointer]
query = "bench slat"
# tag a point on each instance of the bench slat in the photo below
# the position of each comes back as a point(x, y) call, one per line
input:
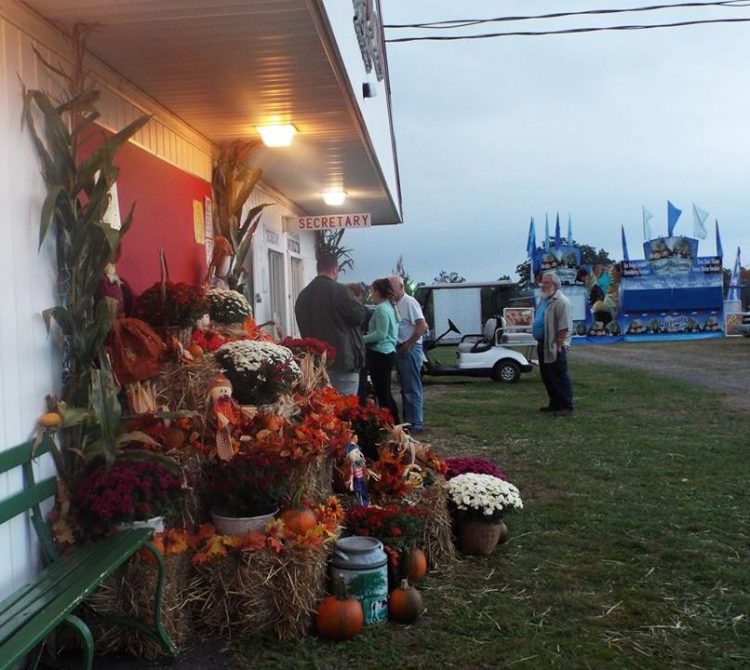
point(27, 498)
point(17, 456)
point(48, 576)
point(63, 590)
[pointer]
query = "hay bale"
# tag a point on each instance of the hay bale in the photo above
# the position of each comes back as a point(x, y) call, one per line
point(314, 479)
point(437, 536)
point(184, 386)
point(130, 592)
point(260, 592)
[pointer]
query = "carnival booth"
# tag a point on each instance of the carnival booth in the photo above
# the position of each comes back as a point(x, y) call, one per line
point(672, 293)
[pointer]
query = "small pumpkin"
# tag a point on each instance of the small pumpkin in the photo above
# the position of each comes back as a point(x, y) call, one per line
point(298, 518)
point(195, 350)
point(414, 564)
point(339, 616)
point(174, 438)
point(50, 420)
point(405, 603)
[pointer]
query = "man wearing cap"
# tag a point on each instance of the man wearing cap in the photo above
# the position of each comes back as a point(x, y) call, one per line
point(327, 310)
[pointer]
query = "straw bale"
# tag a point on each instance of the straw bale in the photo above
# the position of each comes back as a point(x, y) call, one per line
point(260, 593)
point(184, 386)
point(130, 592)
point(437, 536)
point(314, 479)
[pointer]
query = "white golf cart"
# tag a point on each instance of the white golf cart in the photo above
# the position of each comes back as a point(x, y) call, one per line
point(501, 355)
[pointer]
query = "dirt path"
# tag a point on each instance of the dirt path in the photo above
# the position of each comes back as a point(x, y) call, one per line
point(721, 364)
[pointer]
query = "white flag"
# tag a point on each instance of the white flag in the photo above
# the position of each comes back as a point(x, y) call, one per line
point(699, 219)
point(647, 216)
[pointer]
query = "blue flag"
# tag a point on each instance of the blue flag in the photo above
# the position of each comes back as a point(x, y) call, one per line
point(546, 232)
point(625, 255)
point(734, 282)
point(531, 242)
point(719, 250)
point(558, 242)
point(672, 215)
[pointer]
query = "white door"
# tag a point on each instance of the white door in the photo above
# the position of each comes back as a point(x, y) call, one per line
point(297, 279)
point(278, 290)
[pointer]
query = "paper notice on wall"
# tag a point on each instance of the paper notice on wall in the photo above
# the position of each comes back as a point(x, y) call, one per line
point(199, 224)
point(112, 215)
point(208, 216)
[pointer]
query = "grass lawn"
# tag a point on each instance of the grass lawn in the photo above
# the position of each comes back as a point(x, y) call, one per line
point(633, 550)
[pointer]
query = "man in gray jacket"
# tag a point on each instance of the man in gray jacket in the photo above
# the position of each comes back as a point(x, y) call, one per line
point(327, 310)
point(552, 328)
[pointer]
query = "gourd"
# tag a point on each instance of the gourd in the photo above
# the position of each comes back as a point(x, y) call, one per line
point(405, 603)
point(50, 420)
point(414, 564)
point(339, 616)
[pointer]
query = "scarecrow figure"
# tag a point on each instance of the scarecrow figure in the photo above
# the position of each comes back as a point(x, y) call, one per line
point(226, 413)
point(358, 473)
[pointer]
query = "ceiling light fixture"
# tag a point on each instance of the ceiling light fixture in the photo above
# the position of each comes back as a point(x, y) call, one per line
point(277, 135)
point(334, 198)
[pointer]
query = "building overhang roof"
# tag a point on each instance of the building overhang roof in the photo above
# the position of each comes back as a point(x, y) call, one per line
point(227, 66)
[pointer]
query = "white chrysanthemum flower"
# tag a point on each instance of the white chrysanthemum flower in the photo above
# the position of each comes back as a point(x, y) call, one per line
point(484, 495)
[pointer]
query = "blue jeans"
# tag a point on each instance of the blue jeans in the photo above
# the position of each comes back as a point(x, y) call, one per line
point(409, 366)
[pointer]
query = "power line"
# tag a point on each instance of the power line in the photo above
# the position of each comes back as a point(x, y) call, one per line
point(567, 31)
point(463, 23)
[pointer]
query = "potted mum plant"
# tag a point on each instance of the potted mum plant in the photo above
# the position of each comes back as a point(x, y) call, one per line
point(135, 492)
point(260, 372)
point(227, 306)
point(171, 308)
point(478, 503)
point(246, 491)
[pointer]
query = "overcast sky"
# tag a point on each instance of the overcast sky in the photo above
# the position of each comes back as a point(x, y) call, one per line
point(492, 132)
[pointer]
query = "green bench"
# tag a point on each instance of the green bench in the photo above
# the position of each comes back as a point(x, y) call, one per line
point(52, 597)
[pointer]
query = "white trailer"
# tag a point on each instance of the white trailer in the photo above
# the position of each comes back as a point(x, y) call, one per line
point(467, 305)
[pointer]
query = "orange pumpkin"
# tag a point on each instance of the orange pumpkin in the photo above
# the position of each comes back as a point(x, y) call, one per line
point(339, 617)
point(174, 438)
point(195, 350)
point(299, 519)
point(405, 603)
point(414, 564)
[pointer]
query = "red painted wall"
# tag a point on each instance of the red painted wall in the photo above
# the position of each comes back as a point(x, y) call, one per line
point(163, 218)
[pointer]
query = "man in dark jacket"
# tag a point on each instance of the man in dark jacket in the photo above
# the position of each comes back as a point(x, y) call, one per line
point(327, 310)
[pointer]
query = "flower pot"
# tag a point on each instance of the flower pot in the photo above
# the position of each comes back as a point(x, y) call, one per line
point(239, 525)
point(479, 538)
point(155, 522)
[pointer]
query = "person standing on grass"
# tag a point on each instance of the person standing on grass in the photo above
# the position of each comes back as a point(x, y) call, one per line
point(409, 359)
point(381, 344)
point(327, 310)
point(358, 291)
point(552, 328)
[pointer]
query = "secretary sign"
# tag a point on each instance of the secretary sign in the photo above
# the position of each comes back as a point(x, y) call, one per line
point(333, 221)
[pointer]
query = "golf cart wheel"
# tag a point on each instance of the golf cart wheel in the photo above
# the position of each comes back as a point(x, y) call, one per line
point(506, 371)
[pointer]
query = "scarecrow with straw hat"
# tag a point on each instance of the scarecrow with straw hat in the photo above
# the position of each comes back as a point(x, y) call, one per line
point(226, 413)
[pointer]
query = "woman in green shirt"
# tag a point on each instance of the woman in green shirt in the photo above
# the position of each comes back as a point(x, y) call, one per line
point(381, 345)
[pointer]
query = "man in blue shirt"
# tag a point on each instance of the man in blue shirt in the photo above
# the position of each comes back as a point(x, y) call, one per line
point(552, 328)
